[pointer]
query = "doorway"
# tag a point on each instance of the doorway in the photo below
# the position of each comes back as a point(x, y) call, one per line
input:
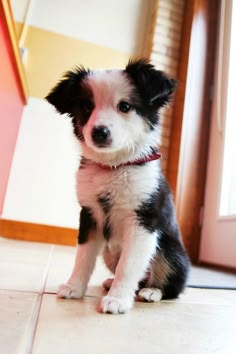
point(218, 241)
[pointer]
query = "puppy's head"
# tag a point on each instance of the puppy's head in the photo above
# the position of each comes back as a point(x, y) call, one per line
point(114, 112)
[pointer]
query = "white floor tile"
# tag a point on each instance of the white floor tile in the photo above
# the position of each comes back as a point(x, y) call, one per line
point(201, 321)
point(23, 265)
point(70, 326)
point(17, 319)
point(208, 296)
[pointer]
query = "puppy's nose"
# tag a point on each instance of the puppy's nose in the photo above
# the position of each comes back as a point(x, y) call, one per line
point(101, 135)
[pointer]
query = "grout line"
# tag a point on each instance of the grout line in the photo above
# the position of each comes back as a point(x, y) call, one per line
point(27, 341)
point(30, 333)
point(20, 291)
point(211, 287)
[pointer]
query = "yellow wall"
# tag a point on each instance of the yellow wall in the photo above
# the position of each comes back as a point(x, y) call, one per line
point(51, 54)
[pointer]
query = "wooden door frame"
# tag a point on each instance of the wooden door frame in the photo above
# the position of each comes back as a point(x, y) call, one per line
point(189, 141)
point(9, 28)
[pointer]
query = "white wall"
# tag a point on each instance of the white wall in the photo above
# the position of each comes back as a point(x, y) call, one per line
point(117, 24)
point(41, 187)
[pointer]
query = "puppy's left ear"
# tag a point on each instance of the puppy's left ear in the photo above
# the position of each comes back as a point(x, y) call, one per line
point(154, 86)
point(65, 95)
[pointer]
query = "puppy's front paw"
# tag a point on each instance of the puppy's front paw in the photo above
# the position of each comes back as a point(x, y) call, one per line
point(115, 305)
point(70, 291)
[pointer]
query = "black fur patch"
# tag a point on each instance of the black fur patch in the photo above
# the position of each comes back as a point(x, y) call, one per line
point(87, 223)
point(142, 284)
point(157, 213)
point(105, 202)
point(176, 257)
point(83, 162)
point(107, 230)
point(73, 96)
point(153, 89)
point(64, 96)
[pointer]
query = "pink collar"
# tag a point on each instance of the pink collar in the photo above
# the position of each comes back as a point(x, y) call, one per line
point(154, 156)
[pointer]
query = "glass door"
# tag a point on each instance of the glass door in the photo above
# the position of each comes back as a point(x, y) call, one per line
point(218, 241)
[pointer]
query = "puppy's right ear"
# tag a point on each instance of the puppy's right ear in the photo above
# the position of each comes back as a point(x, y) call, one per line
point(65, 95)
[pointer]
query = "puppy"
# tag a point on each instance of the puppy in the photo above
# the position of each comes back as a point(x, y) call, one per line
point(127, 207)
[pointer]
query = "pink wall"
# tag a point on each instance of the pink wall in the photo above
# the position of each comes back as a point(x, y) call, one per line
point(11, 106)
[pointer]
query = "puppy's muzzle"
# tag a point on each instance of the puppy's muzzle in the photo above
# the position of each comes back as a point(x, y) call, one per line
point(101, 136)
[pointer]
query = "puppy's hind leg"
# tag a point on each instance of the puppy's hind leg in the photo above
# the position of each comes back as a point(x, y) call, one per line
point(149, 294)
point(111, 260)
point(107, 284)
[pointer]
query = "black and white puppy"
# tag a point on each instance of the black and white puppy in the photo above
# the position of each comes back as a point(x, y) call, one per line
point(127, 207)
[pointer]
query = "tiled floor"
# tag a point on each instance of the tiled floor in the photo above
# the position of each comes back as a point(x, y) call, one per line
point(33, 321)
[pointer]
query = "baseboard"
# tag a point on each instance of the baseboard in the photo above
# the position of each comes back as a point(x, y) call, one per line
point(26, 231)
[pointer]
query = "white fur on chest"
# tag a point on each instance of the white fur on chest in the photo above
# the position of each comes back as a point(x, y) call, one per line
point(127, 187)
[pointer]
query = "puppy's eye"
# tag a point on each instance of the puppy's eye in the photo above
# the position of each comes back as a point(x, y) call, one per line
point(87, 106)
point(124, 106)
